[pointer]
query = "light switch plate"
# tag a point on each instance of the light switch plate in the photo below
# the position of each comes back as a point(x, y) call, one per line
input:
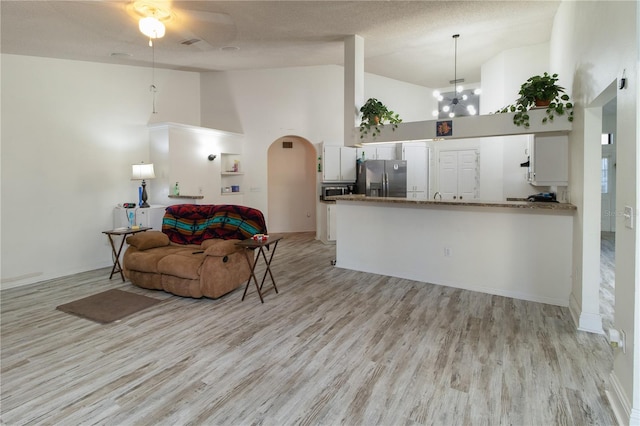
point(628, 217)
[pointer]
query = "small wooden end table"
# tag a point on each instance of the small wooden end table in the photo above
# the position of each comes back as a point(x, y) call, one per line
point(250, 245)
point(123, 232)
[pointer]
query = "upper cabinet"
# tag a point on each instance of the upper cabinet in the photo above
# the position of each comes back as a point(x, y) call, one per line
point(377, 152)
point(338, 163)
point(548, 160)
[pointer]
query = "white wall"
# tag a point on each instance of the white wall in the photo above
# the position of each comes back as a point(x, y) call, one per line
point(592, 44)
point(70, 132)
point(502, 77)
point(292, 186)
point(306, 102)
point(411, 102)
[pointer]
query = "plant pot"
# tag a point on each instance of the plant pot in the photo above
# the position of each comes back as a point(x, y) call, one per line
point(542, 103)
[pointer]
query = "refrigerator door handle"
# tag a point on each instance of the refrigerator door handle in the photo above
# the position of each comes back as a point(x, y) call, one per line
point(385, 185)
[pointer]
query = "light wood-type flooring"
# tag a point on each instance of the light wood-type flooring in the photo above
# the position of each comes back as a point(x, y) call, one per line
point(334, 347)
point(607, 278)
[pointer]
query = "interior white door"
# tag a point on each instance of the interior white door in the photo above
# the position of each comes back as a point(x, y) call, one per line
point(467, 174)
point(458, 174)
point(448, 175)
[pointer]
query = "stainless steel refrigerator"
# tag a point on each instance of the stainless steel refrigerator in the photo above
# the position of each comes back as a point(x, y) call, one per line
point(382, 178)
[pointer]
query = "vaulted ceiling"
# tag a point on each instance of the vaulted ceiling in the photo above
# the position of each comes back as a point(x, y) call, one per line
point(406, 40)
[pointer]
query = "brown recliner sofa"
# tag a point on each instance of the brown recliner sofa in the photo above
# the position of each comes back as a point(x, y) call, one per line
point(195, 255)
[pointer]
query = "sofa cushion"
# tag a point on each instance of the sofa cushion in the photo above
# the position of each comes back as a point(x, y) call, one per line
point(183, 264)
point(148, 240)
point(147, 260)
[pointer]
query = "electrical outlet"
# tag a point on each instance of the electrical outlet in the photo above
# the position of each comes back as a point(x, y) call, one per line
point(447, 252)
point(628, 217)
point(618, 339)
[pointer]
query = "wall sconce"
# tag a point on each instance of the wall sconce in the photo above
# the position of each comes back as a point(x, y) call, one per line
point(212, 157)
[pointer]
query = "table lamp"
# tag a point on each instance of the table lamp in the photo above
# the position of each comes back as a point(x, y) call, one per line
point(141, 172)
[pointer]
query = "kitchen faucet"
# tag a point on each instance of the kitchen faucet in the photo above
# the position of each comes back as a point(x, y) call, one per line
point(437, 194)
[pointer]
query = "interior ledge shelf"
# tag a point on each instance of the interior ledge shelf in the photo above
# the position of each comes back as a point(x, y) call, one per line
point(191, 197)
point(478, 126)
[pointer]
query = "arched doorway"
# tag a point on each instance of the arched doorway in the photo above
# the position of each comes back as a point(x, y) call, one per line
point(291, 188)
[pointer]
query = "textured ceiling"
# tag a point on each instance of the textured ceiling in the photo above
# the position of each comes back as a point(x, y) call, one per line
point(406, 40)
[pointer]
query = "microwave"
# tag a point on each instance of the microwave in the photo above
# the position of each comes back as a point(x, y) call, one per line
point(331, 191)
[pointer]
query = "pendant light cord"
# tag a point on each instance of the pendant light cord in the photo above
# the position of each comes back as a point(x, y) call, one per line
point(455, 65)
point(153, 75)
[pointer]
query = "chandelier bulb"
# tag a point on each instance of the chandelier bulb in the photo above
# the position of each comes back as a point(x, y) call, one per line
point(451, 114)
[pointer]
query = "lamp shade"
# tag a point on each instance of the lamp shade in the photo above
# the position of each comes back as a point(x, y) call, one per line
point(151, 27)
point(142, 171)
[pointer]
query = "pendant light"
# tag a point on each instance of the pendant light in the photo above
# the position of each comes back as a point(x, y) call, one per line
point(454, 106)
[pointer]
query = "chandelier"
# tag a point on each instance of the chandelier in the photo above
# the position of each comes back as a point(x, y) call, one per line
point(460, 102)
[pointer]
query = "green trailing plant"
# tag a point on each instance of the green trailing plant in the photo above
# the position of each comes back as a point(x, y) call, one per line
point(540, 92)
point(374, 115)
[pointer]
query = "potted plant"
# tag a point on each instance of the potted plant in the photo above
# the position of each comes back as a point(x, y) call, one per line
point(374, 115)
point(540, 92)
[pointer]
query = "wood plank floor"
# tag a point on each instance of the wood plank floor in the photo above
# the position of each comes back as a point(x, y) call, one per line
point(334, 347)
point(607, 278)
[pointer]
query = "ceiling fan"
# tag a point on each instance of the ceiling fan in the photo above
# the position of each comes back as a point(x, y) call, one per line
point(186, 23)
point(189, 25)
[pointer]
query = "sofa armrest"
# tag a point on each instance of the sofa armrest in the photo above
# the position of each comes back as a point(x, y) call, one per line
point(222, 248)
point(148, 240)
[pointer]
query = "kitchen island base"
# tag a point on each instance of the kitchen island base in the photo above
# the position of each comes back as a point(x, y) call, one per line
point(524, 253)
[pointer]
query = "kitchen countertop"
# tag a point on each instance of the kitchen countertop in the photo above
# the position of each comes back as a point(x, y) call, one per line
point(467, 203)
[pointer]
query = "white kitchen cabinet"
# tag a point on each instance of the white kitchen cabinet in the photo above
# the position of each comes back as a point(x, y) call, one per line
point(338, 163)
point(327, 223)
point(150, 217)
point(377, 152)
point(458, 173)
point(548, 160)
point(417, 157)
point(331, 222)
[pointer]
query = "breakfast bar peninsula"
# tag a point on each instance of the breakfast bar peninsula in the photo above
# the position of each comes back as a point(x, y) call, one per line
point(516, 249)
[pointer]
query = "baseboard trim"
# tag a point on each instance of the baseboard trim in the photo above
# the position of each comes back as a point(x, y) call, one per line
point(619, 402)
point(584, 321)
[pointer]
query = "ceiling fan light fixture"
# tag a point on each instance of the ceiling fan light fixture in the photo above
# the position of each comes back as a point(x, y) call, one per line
point(151, 27)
